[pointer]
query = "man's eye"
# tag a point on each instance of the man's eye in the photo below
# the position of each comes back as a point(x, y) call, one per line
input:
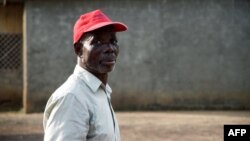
point(114, 42)
point(96, 42)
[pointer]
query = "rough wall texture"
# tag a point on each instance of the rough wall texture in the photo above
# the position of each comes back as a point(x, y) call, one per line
point(175, 55)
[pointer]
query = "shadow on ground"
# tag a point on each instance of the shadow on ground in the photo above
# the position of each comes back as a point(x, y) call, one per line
point(29, 137)
point(134, 126)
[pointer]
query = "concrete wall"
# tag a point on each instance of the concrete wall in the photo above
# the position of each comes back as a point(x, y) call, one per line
point(177, 54)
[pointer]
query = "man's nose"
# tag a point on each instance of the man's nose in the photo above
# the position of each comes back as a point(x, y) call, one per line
point(110, 48)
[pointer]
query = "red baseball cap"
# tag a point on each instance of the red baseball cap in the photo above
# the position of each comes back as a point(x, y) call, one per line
point(94, 20)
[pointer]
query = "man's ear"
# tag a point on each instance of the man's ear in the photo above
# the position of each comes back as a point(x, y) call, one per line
point(78, 48)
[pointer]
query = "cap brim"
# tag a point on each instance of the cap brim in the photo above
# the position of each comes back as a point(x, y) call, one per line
point(119, 27)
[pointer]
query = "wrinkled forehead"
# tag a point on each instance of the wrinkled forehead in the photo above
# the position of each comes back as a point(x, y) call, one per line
point(106, 31)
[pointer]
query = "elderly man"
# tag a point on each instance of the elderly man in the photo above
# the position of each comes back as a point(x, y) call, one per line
point(80, 109)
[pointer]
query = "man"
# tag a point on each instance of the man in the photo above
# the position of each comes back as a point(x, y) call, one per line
point(80, 109)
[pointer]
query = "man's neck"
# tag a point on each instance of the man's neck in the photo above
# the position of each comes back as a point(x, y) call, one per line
point(101, 76)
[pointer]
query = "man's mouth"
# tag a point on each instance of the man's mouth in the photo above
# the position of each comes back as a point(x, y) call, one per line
point(108, 62)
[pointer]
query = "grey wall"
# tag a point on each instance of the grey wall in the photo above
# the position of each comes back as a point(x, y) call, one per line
point(177, 54)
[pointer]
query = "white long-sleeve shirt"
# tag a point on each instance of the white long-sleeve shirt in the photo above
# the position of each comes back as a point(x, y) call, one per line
point(80, 110)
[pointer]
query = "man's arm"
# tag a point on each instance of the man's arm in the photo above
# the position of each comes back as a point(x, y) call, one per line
point(67, 120)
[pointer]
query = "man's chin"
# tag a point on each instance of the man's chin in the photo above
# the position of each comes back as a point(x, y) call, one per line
point(108, 69)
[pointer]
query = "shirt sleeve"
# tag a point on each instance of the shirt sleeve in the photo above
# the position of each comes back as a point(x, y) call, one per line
point(66, 119)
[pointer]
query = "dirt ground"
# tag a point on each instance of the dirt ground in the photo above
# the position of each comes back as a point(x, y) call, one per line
point(134, 126)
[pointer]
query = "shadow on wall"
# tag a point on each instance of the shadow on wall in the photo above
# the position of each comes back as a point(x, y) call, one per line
point(11, 99)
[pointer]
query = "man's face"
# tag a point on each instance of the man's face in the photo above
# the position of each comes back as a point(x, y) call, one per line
point(100, 51)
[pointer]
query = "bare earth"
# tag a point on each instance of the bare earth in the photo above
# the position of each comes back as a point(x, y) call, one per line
point(138, 126)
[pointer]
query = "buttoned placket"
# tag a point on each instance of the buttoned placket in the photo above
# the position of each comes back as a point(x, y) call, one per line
point(110, 106)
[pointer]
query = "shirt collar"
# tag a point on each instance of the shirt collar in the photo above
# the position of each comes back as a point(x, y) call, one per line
point(92, 81)
point(108, 89)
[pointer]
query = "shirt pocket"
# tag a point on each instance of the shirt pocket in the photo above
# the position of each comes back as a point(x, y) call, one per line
point(103, 123)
